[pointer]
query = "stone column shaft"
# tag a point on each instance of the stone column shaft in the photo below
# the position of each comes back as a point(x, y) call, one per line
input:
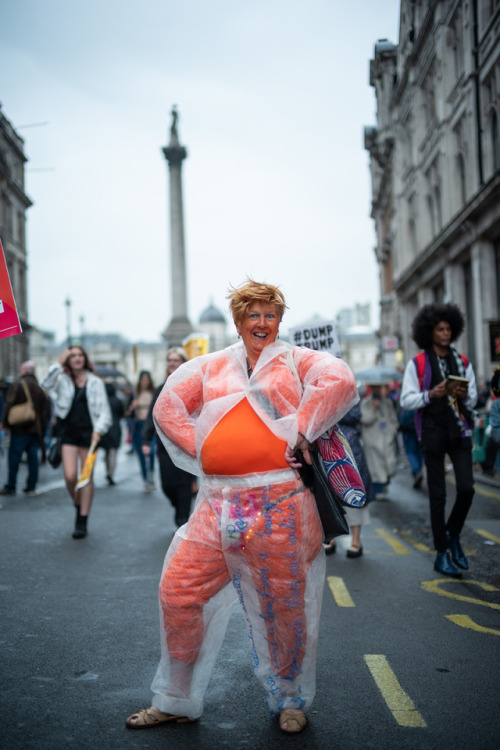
point(179, 326)
point(177, 251)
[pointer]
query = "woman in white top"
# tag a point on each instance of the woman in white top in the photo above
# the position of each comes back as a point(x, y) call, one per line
point(83, 414)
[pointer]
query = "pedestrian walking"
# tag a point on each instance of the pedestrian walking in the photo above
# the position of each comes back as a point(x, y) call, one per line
point(356, 518)
point(236, 418)
point(494, 426)
point(439, 383)
point(83, 415)
point(411, 445)
point(379, 425)
point(111, 441)
point(139, 408)
point(26, 433)
point(176, 483)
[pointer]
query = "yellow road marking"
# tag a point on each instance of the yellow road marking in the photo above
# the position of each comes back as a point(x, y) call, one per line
point(398, 702)
point(340, 592)
point(488, 535)
point(465, 622)
point(393, 542)
point(435, 588)
point(407, 536)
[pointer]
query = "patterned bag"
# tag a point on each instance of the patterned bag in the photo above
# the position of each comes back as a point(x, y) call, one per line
point(341, 469)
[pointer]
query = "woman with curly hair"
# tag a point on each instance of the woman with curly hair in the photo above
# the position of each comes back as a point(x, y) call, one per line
point(440, 384)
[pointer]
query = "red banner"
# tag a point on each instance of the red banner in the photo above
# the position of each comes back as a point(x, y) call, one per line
point(9, 319)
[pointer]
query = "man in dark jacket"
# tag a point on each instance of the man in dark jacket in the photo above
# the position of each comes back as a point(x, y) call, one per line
point(29, 435)
point(439, 383)
point(176, 483)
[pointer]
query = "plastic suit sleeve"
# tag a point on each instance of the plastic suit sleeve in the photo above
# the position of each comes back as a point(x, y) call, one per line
point(329, 392)
point(174, 416)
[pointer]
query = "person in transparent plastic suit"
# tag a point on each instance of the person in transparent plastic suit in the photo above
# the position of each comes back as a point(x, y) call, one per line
point(235, 418)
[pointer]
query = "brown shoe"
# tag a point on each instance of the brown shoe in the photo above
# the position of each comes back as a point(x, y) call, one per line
point(147, 718)
point(292, 721)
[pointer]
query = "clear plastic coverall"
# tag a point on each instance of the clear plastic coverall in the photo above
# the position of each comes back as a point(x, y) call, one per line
point(254, 535)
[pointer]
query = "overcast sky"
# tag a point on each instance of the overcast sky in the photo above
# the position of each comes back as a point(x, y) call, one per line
point(272, 95)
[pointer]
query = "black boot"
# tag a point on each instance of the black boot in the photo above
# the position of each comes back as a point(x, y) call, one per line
point(80, 526)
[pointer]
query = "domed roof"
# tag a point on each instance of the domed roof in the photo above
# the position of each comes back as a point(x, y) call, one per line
point(212, 315)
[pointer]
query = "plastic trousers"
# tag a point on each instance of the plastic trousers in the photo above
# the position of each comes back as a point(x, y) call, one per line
point(260, 545)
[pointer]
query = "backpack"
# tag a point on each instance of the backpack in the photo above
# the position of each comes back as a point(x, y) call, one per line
point(419, 360)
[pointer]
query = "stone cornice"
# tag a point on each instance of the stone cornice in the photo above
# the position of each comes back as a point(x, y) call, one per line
point(20, 194)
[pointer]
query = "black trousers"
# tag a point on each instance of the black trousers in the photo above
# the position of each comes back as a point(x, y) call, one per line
point(177, 486)
point(460, 452)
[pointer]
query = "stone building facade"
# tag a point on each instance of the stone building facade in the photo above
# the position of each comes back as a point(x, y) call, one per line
point(13, 206)
point(435, 168)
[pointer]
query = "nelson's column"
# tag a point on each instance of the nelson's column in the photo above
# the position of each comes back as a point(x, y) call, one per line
point(179, 326)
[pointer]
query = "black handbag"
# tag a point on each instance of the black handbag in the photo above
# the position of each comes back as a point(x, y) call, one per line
point(54, 456)
point(330, 509)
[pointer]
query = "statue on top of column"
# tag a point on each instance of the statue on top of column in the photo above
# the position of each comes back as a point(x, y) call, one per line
point(175, 117)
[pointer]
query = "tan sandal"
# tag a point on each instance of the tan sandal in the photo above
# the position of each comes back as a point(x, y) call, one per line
point(294, 719)
point(151, 717)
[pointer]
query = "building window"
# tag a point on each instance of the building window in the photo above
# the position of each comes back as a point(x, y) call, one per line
point(438, 292)
point(497, 274)
point(407, 142)
point(434, 198)
point(461, 161)
point(495, 143)
point(455, 41)
point(432, 218)
point(469, 311)
point(429, 96)
point(20, 228)
point(8, 217)
point(437, 204)
point(412, 227)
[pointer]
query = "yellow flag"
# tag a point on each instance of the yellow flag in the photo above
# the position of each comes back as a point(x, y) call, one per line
point(196, 344)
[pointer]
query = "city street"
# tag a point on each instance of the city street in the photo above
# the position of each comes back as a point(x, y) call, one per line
point(407, 659)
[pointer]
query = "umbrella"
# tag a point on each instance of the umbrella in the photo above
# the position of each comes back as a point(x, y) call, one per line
point(378, 375)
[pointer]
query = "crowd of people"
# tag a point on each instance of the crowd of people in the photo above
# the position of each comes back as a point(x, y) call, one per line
point(226, 428)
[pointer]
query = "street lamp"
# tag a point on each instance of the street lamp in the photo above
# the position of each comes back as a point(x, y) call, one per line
point(67, 302)
point(82, 329)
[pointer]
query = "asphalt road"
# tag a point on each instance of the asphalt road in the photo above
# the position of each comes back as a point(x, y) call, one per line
point(407, 659)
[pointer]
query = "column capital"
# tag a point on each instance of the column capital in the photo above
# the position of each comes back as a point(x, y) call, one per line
point(175, 155)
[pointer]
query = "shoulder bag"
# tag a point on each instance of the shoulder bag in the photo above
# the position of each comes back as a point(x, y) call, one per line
point(330, 510)
point(20, 414)
point(54, 455)
point(329, 480)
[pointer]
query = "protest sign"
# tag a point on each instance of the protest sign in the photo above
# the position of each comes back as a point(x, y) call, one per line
point(320, 335)
point(9, 319)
